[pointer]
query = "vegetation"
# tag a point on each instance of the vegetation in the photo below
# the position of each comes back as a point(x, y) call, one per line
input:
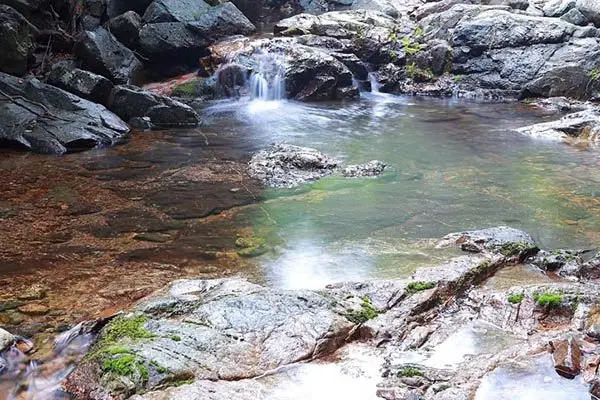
point(548, 299)
point(419, 286)
point(251, 246)
point(125, 364)
point(594, 74)
point(409, 372)
point(515, 298)
point(367, 311)
point(410, 47)
point(186, 89)
point(514, 248)
point(123, 327)
point(176, 338)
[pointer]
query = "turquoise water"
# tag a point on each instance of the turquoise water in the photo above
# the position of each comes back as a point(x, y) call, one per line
point(452, 165)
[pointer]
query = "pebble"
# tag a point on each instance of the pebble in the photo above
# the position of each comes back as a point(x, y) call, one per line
point(34, 292)
point(34, 309)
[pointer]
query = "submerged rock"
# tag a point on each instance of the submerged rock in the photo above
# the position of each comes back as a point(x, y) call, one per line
point(46, 119)
point(285, 165)
point(372, 168)
point(567, 357)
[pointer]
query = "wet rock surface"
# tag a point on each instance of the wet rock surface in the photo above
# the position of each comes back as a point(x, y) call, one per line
point(81, 83)
point(100, 52)
point(46, 119)
point(17, 41)
point(284, 165)
point(132, 102)
point(372, 168)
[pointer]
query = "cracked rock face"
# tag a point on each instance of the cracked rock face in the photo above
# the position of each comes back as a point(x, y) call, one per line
point(285, 165)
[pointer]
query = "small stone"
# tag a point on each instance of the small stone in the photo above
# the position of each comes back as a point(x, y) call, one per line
point(6, 339)
point(566, 355)
point(372, 168)
point(141, 123)
point(24, 346)
point(34, 292)
point(34, 309)
point(151, 237)
point(590, 368)
point(10, 305)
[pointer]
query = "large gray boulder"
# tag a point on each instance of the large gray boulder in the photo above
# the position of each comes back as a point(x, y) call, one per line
point(81, 83)
point(126, 28)
point(187, 40)
point(130, 102)
point(43, 118)
point(100, 52)
point(211, 330)
point(17, 41)
point(175, 11)
point(591, 10)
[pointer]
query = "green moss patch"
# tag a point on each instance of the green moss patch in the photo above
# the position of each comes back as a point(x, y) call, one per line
point(548, 300)
point(419, 286)
point(251, 246)
point(367, 311)
point(125, 364)
point(513, 249)
point(515, 298)
point(409, 372)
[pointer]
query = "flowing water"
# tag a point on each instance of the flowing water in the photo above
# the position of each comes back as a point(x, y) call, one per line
point(103, 228)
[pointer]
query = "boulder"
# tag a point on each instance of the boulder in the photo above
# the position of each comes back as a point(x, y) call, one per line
point(126, 28)
point(100, 52)
point(575, 17)
point(312, 75)
point(224, 329)
point(130, 102)
point(45, 119)
point(114, 8)
point(500, 29)
point(17, 41)
point(372, 168)
point(81, 83)
point(187, 40)
point(285, 165)
point(591, 10)
point(503, 239)
point(583, 125)
point(556, 8)
point(175, 11)
point(94, 8)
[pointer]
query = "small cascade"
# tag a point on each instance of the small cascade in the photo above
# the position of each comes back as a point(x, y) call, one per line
point(374, 83)
point(267, 79)
point(23, 376)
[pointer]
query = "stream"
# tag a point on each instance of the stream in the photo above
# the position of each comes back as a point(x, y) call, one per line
point(101, 229)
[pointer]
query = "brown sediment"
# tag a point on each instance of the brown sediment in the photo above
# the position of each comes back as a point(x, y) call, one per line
point(77, 224)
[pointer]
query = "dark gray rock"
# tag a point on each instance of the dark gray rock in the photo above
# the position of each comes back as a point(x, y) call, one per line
point(187, 40)
point(175, 11)
point(82, 83)
point(574, 16)
point(141, 123)
point(89, 23)
point(126, 28)
point(114, 8)
point(372, 168)
point(506, 240)
point(130, 101)
point(46, 119)
point(591, 10)
point(17, 41)
point(556, 8)
point(94, 8)
point(100, 52)
point(285, 165)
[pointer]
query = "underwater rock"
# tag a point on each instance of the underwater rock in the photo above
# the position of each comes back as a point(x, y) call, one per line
point(372, 168)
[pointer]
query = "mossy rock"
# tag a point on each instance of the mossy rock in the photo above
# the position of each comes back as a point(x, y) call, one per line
point(419, 286)
point(199, 87)
point(366, 312)
point(251, 246)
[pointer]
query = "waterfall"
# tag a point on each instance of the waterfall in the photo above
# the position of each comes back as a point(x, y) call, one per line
point(373, 82)
point(267, 79)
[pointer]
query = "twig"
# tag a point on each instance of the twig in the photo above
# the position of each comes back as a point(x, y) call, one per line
point(47, 113)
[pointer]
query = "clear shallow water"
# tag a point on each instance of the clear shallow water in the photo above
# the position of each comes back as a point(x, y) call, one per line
point(452, 165)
